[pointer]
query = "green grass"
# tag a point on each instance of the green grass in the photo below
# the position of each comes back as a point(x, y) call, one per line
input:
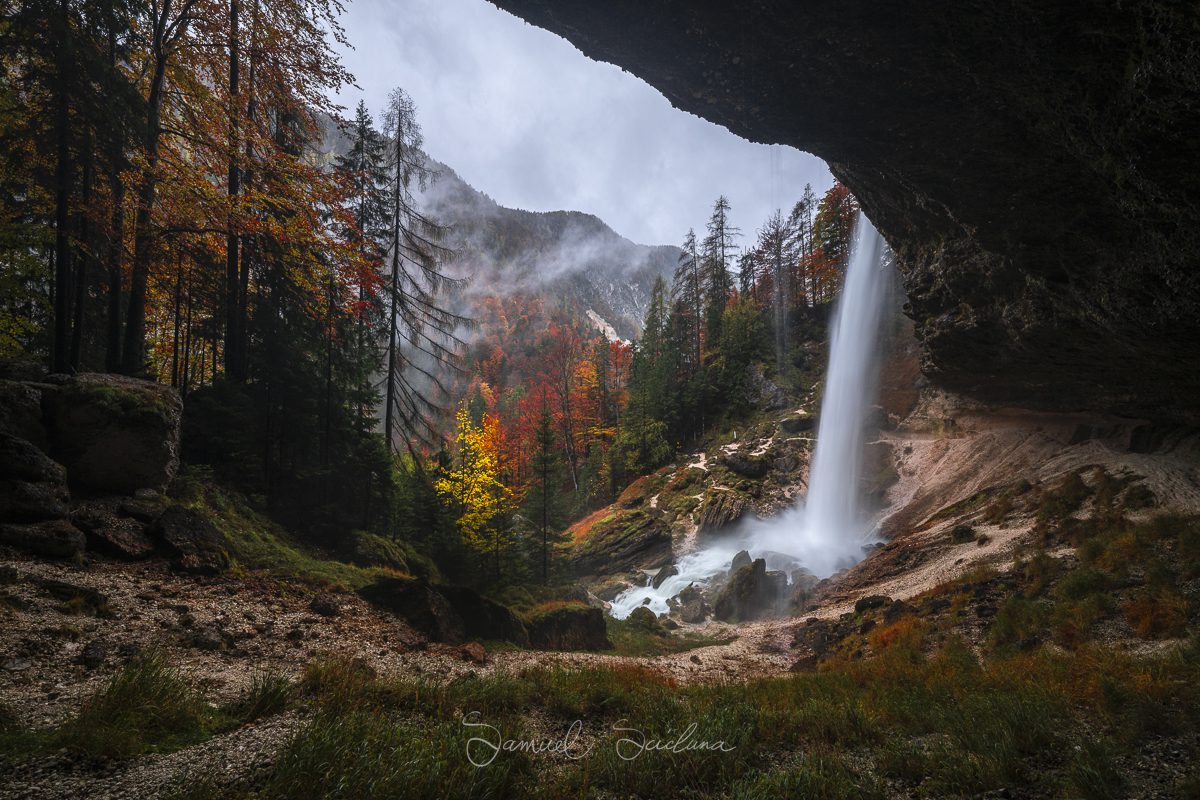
point(631, 639)
point(259, 544)
point(145, 706)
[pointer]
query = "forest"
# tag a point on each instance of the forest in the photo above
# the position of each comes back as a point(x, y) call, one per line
point(302, 303)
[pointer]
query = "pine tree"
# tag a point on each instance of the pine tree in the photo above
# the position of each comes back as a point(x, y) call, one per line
point(543, 502)
point(414, 280)
point(719, 250)
point(688, 287)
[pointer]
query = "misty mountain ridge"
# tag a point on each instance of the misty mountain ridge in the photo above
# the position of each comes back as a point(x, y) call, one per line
point(564, 257)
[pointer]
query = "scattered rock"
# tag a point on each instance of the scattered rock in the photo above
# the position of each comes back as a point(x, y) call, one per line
point(474, 653)
point(668, 623)
point(569, 627)
point(326, 605)
point(695, 659)
point(93, 653)
point(753, 467)
point(962, 534)
point(111, 533)
point(114, 433)
point(895, 611)
point(752, 593)
point(207, 638)
point(609, 589)
point(871, 602)
point(81, 598)
point(196, 543)
point(668, 571)
point(54, 538)
point(798, 423)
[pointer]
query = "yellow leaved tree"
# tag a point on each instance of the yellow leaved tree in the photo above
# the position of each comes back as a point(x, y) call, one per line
point(473, 485)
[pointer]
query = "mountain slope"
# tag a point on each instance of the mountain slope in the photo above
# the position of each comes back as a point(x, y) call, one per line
point(564, 255)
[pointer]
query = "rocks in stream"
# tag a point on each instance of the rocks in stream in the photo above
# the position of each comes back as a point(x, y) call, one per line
point(742, 559)
point(752, 593)
point(691, 605)
point(668, 571)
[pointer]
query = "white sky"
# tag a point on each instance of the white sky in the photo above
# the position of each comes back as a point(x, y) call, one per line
point(522, 115)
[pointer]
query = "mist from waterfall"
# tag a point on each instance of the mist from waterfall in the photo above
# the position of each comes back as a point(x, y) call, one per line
point(831, 530)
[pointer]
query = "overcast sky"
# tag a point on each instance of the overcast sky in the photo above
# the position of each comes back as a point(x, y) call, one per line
point(522, 115)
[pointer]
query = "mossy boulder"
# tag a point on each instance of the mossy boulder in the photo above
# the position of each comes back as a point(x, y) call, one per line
point(621, 541)
point(54, 538)
point(722, 508)
point(568, 626)
point(195, 543)
point(21, 411)
point(446, 613)
point(114, 433)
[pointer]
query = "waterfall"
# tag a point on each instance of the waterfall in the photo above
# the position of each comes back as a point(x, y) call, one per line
point(833, 520)
point(831, 530)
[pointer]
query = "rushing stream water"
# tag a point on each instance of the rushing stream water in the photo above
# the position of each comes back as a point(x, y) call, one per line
point(830, 531)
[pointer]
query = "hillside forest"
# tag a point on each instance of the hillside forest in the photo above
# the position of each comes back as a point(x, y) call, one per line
point(184, 202)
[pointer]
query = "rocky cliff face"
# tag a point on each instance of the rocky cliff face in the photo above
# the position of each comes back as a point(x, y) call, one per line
point(1033, 165)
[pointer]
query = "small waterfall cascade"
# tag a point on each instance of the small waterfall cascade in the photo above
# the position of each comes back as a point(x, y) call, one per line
point(831, 530)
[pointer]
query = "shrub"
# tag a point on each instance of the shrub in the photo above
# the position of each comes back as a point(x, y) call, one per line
point(1157, 614)
point(145, 705)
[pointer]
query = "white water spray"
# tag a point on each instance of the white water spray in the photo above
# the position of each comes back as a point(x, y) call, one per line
point(831, 531)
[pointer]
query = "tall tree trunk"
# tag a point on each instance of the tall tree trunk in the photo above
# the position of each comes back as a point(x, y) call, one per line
point(113, 255)
point(134, 354)
point(233, 305)
point(62, 191)
point(83, 259)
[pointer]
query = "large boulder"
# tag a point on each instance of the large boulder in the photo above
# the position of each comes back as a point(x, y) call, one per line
point(420, 605)
point(569, 626)
point(110, 529)
point(54, 538)
point(32, 487)
point(752, 593)
point(196, 544)
point(722, 508)
point(690, 605)
point(21, 411)
point(446, 613)
point(114, 433)
point(483, 618)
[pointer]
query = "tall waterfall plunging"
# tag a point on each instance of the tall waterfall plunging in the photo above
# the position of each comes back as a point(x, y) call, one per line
point(831, 530)
point(833, 520)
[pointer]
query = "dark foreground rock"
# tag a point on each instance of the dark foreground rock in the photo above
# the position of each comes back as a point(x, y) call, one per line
point(110, 530)
point(194, 542)
point(114, 433)
point(569, 627)
point(446, 613)
point(32, 486)
point(753, 592)
point(56, 538)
